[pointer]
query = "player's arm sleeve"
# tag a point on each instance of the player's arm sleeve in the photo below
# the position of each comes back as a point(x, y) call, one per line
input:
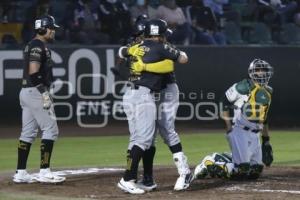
point(226, 105)
point(161, 67)
point(170, 52)
point(35, 54)
point(35, 60)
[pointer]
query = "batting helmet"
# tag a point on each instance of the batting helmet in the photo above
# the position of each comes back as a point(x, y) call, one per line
point(260, 71)
point(168, 33)
point(139, 25)
point(42, 23)
point(155, 27)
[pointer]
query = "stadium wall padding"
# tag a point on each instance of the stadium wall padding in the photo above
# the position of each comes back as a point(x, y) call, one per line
point(202, 82)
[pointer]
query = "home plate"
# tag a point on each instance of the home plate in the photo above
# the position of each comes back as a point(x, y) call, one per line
point(84, 171)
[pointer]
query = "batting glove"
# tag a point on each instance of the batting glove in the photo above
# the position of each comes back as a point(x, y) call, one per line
point(135, 50)
point(138, 66)
point(47, 100)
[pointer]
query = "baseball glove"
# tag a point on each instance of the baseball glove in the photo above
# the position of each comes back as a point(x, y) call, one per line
point(267, 152)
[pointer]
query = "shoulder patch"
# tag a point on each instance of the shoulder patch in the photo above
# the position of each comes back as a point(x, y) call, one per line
point(36, 49)
point(35, 54)
point(243, 87)
point(170, 48)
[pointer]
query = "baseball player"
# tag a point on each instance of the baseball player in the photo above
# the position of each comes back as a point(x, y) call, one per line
point(138, 101)
point(36, 103)
point(167, 109)
point(168, 105)
point(251, 100)
point(122, 68)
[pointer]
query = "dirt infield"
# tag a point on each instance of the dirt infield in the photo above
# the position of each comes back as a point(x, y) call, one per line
point(276, 183)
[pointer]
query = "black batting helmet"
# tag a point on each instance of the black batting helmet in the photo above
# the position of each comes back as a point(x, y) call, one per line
point(141, 17)
point(42, 23)
point(155, 27)
point(139, 25)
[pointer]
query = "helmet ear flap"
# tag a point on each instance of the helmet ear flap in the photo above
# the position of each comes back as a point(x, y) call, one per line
point(42, 31)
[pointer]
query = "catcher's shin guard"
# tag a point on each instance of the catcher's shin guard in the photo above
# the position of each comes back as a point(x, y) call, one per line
point(201, 170)
point(221, 169)
point(222, 157)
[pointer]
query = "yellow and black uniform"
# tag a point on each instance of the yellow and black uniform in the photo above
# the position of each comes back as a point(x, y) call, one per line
point(156, 52)
point(36, 51)
point(139, 102)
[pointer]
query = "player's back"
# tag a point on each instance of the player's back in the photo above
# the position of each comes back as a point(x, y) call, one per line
point(155, 51)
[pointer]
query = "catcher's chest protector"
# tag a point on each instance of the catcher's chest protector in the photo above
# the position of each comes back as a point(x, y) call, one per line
point(258, 104)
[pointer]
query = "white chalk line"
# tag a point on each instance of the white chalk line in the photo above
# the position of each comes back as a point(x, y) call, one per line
point(83, 171)
point(237, 188)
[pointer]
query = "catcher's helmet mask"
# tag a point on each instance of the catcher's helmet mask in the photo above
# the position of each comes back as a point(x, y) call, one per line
point(260, 71)
point(41, 24)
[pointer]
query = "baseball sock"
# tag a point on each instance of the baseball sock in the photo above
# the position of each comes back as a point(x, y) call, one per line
point(46, 151)
point(23, 152)
point(176, 148)
point(148, 161)
point(133, 160)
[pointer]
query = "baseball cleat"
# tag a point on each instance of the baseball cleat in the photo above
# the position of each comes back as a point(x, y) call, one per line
point(147, 184)
point(130, 187)
point(22, 176)
point(183, 182)
point(46, 176)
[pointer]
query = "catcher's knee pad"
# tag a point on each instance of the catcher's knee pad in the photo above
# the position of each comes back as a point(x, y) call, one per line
point(255, 171)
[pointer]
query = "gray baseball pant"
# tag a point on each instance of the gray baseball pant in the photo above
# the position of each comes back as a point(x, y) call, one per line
point(34, 116)
point(140, 109)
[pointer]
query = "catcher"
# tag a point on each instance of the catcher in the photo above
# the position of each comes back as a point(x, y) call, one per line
point(250, 99)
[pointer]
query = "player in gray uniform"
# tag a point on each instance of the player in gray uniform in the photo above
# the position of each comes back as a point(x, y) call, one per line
point(167, 108)
point(138, 101)
point(36, 103)
point(250, 99)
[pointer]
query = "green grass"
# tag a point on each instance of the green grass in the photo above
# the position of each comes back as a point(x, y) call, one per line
point(31, 196)
point(111, 150)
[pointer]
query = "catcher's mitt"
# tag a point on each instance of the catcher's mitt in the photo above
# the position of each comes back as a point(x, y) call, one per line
point(267, 152)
